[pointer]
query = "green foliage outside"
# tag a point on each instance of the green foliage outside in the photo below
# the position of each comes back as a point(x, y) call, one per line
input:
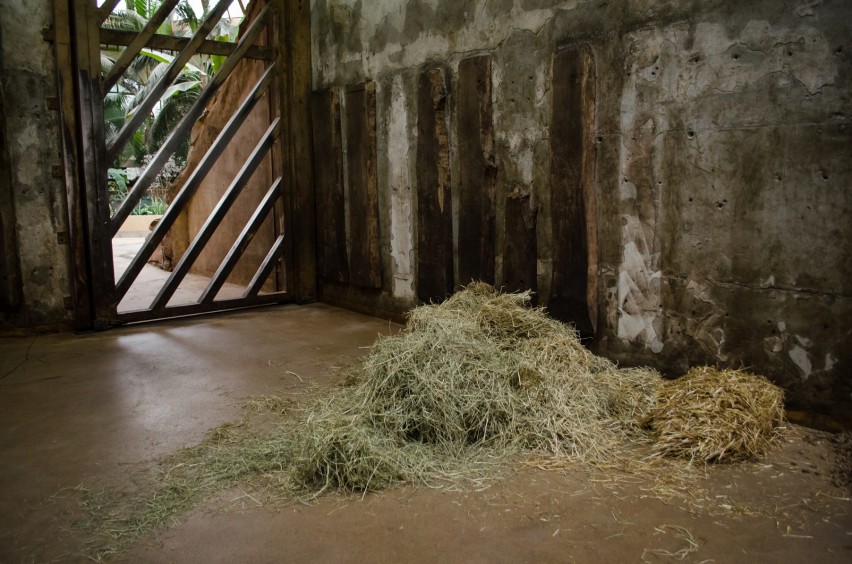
point(125, 98)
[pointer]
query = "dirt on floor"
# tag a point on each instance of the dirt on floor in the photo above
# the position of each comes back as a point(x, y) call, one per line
point(792, 506)
point(70, 431)
point(782, 509)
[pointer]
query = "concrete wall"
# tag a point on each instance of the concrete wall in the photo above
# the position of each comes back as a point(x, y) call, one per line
point(32, 192)
point(722, 165)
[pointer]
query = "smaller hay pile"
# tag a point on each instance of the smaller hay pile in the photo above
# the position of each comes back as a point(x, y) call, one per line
point(715, 415)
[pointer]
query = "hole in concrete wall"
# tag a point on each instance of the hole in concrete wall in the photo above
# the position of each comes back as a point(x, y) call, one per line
point(690, 134)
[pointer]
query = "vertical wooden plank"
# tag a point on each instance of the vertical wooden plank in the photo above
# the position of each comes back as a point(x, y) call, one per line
point(434, 199)
point(79, 271)
point(328, 179)
point(11, 283)
point(365, 266)
point(294, 44)
point(573, 295)
point(94, 164)
point(520, 251)
point(477, 172)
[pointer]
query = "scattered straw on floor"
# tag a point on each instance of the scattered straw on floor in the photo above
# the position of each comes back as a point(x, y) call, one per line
point(716, 416)
point(469, 384)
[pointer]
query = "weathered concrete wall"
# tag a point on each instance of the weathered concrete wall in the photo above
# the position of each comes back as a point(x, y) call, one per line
point(32, 206)
point(721, 175)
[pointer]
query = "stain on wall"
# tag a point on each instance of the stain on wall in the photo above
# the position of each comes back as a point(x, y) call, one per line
point(32, 206)
point(720, 166)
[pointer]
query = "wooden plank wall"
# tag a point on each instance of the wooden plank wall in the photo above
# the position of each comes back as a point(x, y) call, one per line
point(477, 173)
point(11, 283)
point(520, 250)
point(434, 199)
point(328, 182)
point(574, 283)
point(365, 265)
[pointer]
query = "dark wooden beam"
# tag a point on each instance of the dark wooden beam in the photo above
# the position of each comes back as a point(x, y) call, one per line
point(93, 162)
point(573, 293)
point(294, 40)
point(520, 251)
point(124, 38)
point(75, 196)
point(11, 282)
point(434, 198)
point(477, 171)
point(365, 264)
point(328, 180)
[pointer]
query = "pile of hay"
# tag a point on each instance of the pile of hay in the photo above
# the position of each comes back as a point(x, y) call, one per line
point(480, 375)
point(716, 415)
point(469, 383)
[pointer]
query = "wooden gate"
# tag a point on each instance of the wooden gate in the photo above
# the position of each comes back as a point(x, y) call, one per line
point(98, 48)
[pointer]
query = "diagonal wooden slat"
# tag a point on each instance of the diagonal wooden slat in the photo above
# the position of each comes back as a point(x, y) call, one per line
point(242, 243)
point(266, 268)
point(162, 156)
point(140, 41)
point(165, 81)
point(193, 182)
point(106, 9)
point(225, 203)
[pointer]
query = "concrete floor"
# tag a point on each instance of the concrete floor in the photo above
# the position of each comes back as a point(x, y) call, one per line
point(100, 409)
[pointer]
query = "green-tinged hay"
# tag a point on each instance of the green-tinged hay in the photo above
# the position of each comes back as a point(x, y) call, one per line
point(482, 370)
point(716, 416)
point(341, 452)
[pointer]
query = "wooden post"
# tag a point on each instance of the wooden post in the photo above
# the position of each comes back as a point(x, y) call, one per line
point(477, 171)
point(520, 251)
point(365, 261)
point(573, 295)
point(328, 179)
point(93, 162)
point(294, 56)
point(434, 198)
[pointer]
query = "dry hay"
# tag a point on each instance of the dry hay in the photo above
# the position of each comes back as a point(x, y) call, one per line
point(716, 415)
point(468, 384)
point(481, 371)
